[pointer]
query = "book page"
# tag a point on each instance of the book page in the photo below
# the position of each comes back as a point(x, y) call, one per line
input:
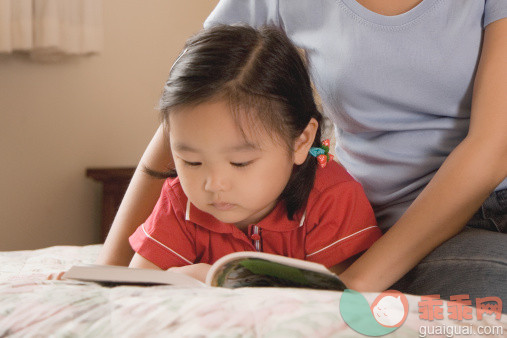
point(260, 269)
point(297, 263)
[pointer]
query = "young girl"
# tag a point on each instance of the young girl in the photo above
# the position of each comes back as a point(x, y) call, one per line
point(251, 171)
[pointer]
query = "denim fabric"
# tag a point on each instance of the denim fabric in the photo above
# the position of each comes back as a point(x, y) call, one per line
point(474, 262)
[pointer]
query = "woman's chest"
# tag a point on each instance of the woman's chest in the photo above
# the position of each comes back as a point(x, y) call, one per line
point(360, 59)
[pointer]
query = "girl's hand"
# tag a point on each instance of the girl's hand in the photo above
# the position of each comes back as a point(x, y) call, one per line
point(197, 271)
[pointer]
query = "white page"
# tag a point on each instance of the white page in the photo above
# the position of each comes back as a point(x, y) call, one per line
point(107, 273)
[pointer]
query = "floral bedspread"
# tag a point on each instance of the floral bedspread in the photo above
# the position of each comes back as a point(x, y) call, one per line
point(31, 306)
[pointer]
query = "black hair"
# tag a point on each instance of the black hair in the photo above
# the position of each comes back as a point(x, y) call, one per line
point(263, 77)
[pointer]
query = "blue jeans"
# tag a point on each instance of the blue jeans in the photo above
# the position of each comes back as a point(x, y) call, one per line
point(474, 262)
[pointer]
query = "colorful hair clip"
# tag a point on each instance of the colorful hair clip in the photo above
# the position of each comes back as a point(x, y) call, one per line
point(322, 153)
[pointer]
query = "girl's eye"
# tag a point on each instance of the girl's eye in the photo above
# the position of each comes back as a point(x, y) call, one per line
point(241, 164)
point(192, 164)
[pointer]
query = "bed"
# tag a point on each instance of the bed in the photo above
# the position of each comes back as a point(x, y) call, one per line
point(31, 306)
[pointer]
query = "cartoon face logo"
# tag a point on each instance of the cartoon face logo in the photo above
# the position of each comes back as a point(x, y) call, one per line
point(388, 310)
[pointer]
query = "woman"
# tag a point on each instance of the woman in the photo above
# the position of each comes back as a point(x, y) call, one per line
point(416, 90)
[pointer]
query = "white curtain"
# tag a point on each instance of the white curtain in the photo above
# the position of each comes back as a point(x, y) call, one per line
point(50, 29)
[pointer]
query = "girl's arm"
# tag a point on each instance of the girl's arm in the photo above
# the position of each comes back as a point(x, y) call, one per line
point(466, 178)
point(197, 271)
point(140, 262)
point(138, 202)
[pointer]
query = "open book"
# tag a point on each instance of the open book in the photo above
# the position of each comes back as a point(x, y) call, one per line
point(238, 269)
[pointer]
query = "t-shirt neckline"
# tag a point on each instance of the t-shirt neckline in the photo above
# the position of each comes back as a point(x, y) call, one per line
point(384, 20)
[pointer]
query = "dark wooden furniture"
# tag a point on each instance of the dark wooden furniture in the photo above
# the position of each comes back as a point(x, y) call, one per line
point(114, 184)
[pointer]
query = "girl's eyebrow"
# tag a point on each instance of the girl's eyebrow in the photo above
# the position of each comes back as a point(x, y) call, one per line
point(237, 148)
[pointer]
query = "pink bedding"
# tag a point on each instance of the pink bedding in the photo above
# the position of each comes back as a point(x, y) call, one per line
point(31, 306)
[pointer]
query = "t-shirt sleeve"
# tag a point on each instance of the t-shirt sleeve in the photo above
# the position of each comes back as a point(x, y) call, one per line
point(345, 225)
point(494, 10)
point(165, 238)
point(255, 13)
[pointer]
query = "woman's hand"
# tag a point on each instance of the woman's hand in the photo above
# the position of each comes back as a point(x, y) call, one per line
point(197, 271)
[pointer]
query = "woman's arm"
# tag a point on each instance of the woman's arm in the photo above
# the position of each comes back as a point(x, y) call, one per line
point(340, 267)
point(466, 178)
point(138, 202)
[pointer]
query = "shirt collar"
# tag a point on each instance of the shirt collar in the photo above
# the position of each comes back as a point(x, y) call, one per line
point(276, 220)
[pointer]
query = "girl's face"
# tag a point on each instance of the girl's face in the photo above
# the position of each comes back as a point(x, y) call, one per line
point(222, 174)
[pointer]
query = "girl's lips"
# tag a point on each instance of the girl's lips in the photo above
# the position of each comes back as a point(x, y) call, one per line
point(223, 206)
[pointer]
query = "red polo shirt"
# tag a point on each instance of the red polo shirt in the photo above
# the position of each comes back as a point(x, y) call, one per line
point(336, 223)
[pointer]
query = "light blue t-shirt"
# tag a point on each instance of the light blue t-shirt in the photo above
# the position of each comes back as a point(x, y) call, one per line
point(398, 88)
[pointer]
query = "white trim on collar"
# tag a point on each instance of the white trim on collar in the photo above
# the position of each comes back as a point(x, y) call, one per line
point(302, 219)
point(187, 212)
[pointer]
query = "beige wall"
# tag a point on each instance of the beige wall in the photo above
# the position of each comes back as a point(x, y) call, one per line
point(58, 119)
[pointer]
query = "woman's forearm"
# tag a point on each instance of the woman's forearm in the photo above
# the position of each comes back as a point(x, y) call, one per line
point(138, 202)
point(136, 206)
point(441, 211)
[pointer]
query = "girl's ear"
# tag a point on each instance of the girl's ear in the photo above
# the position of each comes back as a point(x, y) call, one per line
point(304, 142)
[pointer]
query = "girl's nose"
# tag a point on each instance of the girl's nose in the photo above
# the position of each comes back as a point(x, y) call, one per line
point(216, 182)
